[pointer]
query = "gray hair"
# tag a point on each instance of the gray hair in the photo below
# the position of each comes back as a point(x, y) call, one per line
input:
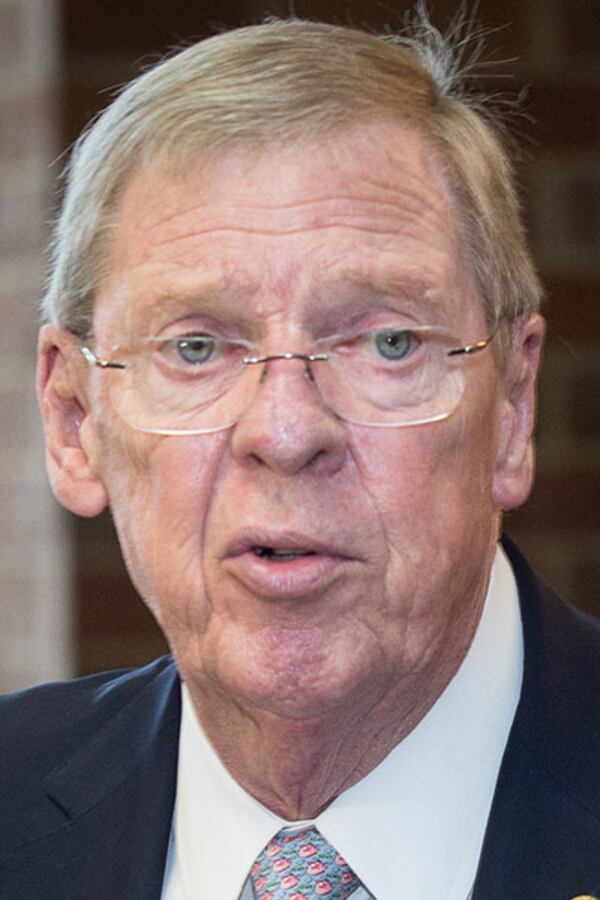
point(290, 80)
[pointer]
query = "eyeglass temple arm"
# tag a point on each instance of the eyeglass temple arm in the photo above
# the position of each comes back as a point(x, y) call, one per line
point(98, 361)
point(468, 349)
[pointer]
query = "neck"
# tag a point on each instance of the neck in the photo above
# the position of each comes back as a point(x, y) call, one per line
point(297, 766)
point(296, 761)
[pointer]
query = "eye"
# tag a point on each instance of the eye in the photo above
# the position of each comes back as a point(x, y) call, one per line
point(194, 349)
point(394, 344)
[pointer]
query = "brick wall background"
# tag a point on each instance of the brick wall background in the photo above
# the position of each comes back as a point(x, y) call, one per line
point(551, 46)
point(36, 605)
point(560, 526)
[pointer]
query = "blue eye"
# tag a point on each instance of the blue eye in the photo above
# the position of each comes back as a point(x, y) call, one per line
point(195, 349)
point(394, 344)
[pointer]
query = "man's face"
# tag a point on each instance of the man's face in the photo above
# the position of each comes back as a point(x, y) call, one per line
point(284, 249)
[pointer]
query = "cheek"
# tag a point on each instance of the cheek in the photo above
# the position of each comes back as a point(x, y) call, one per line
point(431, 489)
point(161, 490)
point(432, 484)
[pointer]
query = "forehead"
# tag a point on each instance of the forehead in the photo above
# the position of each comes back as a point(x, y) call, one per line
point(286, 228)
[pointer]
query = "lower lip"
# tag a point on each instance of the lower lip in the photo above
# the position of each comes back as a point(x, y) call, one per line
point(274, 579)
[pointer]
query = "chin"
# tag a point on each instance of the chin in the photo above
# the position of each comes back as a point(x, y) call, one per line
point(292, 675)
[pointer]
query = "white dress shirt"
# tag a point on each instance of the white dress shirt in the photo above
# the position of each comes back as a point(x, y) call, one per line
point(412, 828)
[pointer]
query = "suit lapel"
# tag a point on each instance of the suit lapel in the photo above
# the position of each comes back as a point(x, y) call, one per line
point(540, 842)
point(543, 836)
point(103, 824)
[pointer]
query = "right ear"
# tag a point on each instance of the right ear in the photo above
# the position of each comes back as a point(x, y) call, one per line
point(71, 455)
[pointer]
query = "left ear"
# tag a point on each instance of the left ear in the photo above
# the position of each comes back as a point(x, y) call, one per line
point(513, 475)
point(71, 452)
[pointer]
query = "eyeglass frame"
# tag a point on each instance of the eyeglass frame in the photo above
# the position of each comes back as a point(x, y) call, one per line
point(308, 358)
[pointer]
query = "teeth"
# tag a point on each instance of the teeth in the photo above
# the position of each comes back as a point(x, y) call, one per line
point(289, 554)
point(270, 553)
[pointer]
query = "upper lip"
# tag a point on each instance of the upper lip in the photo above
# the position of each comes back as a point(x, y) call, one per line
point(249, 538)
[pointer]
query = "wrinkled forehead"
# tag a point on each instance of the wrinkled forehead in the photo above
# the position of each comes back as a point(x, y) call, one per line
point(376, 153)
point(369, 208)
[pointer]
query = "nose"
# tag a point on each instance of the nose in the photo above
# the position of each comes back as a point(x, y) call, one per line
point(287, 426)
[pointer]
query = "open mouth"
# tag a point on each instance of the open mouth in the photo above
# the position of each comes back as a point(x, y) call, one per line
point(284, 564)
point(280, 555)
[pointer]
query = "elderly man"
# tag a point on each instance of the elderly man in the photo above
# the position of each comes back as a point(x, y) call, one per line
point(292, 343)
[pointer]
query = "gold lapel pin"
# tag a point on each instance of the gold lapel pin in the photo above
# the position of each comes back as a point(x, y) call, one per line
point(584, 897)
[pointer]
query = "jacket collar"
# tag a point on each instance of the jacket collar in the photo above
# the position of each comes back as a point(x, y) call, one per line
point(141, 728)
point(544, 829)
point(100, 827)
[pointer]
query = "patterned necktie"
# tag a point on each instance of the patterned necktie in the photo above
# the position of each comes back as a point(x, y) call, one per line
point(302, 866)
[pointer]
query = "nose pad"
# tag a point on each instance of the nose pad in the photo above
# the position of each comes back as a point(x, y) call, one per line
point(308, 372)
point(287, 425)
point(309, 359)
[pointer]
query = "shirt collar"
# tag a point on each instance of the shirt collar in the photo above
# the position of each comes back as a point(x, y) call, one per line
point(422, 812)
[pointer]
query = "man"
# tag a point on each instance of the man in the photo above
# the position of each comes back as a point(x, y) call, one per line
point(292, 342)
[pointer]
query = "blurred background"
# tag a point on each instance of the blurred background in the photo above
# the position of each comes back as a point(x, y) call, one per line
point(66, 604)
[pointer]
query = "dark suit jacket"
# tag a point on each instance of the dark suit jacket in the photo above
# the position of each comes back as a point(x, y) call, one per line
point(88, 769)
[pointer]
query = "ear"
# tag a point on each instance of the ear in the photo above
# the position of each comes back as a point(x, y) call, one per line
point(515, 461)
point(70, 437)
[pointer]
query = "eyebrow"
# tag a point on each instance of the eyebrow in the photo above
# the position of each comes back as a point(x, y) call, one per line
point(402, 291)
point(217, 298)
point(406, 284)
point(228, 300)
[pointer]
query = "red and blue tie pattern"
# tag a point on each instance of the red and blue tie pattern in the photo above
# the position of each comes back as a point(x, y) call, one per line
point(302, 866)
